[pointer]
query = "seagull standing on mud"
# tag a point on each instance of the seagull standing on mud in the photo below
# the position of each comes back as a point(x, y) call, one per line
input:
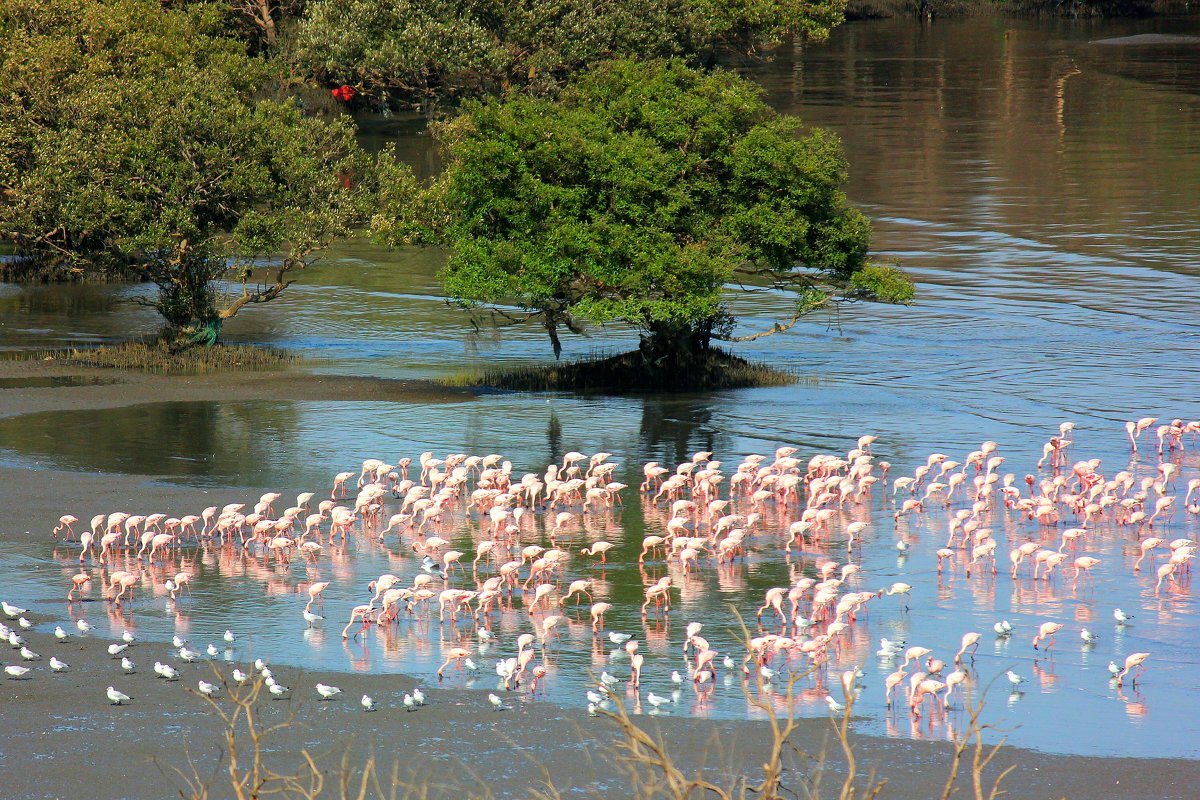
point(327, 692)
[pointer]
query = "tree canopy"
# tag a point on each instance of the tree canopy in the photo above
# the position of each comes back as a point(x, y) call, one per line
point(399, 51)
point(140, 138)
point(638, 196)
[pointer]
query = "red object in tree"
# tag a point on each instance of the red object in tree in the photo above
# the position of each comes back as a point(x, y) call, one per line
point(345, 93)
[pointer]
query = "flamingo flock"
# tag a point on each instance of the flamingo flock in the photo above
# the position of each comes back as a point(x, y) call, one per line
point(521, 554)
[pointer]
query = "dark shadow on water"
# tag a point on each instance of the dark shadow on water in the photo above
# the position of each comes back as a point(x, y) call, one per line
point(231, 442)
point(674, 428)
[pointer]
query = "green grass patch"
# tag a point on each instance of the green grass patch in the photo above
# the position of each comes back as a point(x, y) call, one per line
point(157, 357)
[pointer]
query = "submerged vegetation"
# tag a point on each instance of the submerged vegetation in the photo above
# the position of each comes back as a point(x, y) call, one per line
point(626, 373)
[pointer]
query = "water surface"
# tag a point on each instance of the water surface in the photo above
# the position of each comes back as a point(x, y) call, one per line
point(1039, 184)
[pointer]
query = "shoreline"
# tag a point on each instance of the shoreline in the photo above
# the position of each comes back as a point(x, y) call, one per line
point(64, 739)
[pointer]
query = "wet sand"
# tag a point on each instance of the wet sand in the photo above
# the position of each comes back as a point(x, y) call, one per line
point(63, 738)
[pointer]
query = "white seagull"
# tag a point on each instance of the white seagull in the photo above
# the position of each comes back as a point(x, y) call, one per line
point(84, 626)
point(239, 676)
point(497, 703)
point(1015, 679)
point(128, 665)
point(657, 700)
point(60, 634)
point(12, 611)
point(115, 650)
point(29, 655)
point(327, 692)
point(367, 703)
point(14, 671)
point(208, 689)
point(116, 697)
point(418, 696)
point(58, 666)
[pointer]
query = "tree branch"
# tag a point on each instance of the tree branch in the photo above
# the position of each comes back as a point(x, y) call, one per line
point(263, 295)
point(779, 327)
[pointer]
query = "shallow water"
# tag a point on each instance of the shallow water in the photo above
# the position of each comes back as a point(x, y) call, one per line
point(1040, 188)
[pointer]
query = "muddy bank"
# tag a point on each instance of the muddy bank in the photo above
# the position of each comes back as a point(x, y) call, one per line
point(63, 738)
point(30, 386)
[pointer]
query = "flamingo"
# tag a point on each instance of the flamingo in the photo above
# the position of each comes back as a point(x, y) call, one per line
point(1133, 661)
point(1047, 631)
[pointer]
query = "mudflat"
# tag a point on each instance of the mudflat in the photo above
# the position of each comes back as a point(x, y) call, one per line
point(63, 738)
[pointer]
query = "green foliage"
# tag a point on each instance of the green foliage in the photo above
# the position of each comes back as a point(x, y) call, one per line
point(882, 283)
point(637, 197)
point(136, 138)
point(400, 51)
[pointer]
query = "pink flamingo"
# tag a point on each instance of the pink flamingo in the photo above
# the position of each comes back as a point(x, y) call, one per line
point(577, 587)
point(1047, 631)
point(1164, 571)
point(1084, 563)
point(598, 612)
point(891, 682)
point(360, 613)
point(969, 640)
point(1146, 546)
point(1133, 661)
point(64, 522)
point(598, 548)
point(77, 582)
point(455, 655)
point(660, 594)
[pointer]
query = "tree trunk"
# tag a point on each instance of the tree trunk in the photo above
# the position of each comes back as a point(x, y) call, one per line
point(673, 348)
point(266, 22)
point(186, 293)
